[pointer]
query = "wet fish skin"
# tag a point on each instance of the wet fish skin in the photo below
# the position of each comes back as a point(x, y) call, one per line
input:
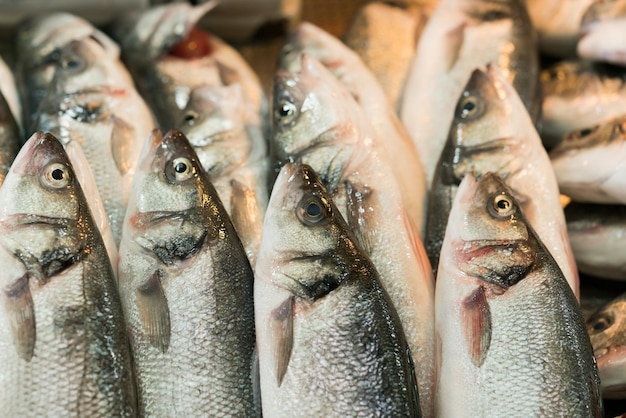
point(186, 288)
point(577, 95)
point(10, 138)
point(602, 33)
point(607, 330)
point(64, 351)
point(329, 340)
point(39, 41)
point(502, 300)
point(596, 232)
point(492, 132)
point(587, 163)
point(8, 88)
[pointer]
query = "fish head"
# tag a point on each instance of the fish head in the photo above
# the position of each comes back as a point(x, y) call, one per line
point(494, 240)
point(568, 80)
point(214, 125)
point(301, 234)
point(172, 205)
point(482, 128)
point(607, 331)
point(493, 11)
point(590, 138)
point(311, 120)
point(600, 11)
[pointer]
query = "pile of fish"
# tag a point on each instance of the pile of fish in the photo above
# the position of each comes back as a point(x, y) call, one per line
point(385, 236)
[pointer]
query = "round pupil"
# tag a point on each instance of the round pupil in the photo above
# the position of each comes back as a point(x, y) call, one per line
point(286, 110)
point(503, 204)
point(585, 132)
point(600, 325)
point(180, 168)
point(189, 117)
point(57, 174)
point(313, 210)
point(72, 63)
point(468, 107)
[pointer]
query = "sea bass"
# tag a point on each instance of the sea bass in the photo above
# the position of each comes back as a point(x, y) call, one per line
point(598, 237)
point(317, 122)
point(507, 322)
point(234, 155)
point(603, 32)
point(361, 83)
point(10, 137)
point(492, 132)
point(63, 342)
point(607, 329)
point(8, 88)
point(169, 57)
point(186, 287)
point(330, 342)
point(590, 164)
point(460, 36)
point(94, 102)
point(39, 41)
point(579, 94)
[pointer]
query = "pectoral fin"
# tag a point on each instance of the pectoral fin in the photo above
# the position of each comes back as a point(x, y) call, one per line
point(477, 325)
point(282, 329)
point(359, 215)
point(154, 312)
point(21, 312)
point(121, 138)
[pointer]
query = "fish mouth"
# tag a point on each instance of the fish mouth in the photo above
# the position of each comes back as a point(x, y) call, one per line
point(142, 220)
point(28, 219)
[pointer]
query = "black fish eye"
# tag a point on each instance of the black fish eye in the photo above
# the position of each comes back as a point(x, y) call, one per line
point(312, 210)
point(502, 205)
point(190, 117)
point(56, 176)
point(586, 131)
point(599, 323)
point(73, 63)
point(468, 107)
point(286, 112)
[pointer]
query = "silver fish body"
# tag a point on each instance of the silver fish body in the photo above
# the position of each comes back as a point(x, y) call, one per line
point(507, 321)
point(607, 330)
point(10, 137)
point(602, 32)
point(186, 287)
point(64, 347)
point(329, 340)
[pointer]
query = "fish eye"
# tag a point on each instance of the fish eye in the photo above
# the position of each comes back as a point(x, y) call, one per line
point(73, 63)
point(312, 211)
point(502, 205)
point(468, 107)
point(190, 117)
point(286, 112)
point(56, 176)
point(599, 323)
point(179, 169)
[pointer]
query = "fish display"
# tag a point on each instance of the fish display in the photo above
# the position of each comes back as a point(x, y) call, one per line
point(63, 341)
point(500, 292)
point(603, 32)
point(10, 137)
point(186, 287)
point(492, 132)
point(329, 340)
point(607, 329)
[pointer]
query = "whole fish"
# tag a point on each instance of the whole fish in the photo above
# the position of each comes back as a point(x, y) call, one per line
point(317, 122)
point(387, 53)
point(598, 237)
point(10, 137)
point(63, 342)
point(233, 153)
point(8, 88)
point(330, 342)
point(507, 322)
point(362, 84)
point(603, 32)
point(579, 94)
point(169, 57)
point(186, 288)
point(94, 102)
point(492, 132)
point(39, 41)
point(589, 165)
point(607, 330)
point(558, 24)
point(460, 36)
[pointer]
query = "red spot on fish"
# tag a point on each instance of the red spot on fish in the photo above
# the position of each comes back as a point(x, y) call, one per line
point(196, 44)
point(477, 325)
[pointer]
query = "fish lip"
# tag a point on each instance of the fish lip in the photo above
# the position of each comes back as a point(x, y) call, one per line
point(144, 219)
point(22, 219)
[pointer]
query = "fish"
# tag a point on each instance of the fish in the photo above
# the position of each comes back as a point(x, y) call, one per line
point(607, 330)
point(387, 53)
point(8, 89)
point(39, 40)
point(578, 95)
point(506, 319)
point(186, 287)
point(588, 163)
point(63, 342)
point(492, 132)
point(602, 33)
point(234, 155)
point(94, 102)
point(598, 237)
point(10, 137)
point(169, 56)
point(362, 84)
point(329, 339)
point(558, 24)
point(317, 122)
point(459, 37)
